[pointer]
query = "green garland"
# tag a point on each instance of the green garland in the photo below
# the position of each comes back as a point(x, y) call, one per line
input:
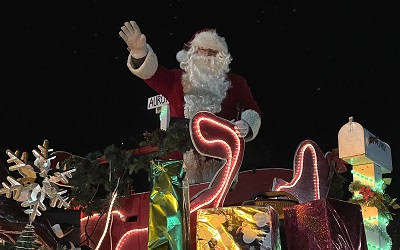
point(381, 201)
point(93, 183)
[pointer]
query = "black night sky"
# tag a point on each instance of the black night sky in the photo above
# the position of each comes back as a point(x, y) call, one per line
point(310, 64)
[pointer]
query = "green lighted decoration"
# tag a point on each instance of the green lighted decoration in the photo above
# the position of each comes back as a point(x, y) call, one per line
point(374, 196)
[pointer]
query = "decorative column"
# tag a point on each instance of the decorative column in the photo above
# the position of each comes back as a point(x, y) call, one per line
point(370, 158)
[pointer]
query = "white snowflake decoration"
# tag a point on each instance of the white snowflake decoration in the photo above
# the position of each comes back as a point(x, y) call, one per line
point(27, 191)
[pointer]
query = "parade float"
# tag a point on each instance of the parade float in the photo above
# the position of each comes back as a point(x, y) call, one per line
point(268, 208)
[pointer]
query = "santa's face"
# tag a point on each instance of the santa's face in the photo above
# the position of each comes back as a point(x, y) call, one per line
point(205, 80)
point(209, 61)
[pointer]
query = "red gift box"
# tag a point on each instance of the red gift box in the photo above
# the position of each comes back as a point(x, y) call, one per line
point(325, 224)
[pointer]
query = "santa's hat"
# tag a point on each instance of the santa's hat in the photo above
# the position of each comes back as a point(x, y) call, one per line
point(205, 38)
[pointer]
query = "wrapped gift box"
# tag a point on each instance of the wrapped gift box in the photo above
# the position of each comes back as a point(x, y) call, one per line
point(169, 206)
point(238, 227)
point(325, 224)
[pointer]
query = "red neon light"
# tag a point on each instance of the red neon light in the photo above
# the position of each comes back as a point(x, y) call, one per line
point(311, 174)
point(215, 137)
point(125, 238)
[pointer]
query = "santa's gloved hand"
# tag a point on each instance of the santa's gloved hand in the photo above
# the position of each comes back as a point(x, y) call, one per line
point(134, 38)
point(242, 128)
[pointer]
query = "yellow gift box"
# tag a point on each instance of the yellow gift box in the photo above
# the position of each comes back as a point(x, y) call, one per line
point(238, 227)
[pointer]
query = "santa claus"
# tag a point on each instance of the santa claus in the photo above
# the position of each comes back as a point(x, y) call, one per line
point(202, 82)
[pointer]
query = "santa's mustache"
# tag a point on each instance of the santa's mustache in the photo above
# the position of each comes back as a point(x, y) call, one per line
point(208, 64)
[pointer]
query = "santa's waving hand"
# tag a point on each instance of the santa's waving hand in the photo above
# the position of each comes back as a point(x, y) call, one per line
point(134, 38)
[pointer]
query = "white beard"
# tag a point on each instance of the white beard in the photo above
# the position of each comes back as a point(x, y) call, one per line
point(205, 82)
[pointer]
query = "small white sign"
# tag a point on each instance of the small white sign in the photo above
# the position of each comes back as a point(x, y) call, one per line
point(156, 101)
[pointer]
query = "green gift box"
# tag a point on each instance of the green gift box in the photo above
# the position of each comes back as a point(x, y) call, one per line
point(169, 206)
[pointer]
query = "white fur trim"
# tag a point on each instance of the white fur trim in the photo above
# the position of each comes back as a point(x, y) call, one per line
point(254, 121)
point(149, 66)
point(210, 40)
point(181, 55)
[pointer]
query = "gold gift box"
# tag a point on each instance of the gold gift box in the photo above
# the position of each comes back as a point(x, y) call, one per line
point(238, 227)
